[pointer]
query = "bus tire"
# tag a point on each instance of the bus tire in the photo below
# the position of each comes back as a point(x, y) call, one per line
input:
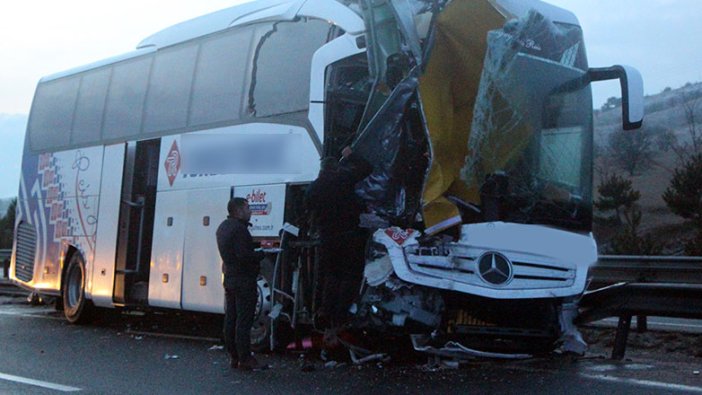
point(76, 307)
point(261, 329)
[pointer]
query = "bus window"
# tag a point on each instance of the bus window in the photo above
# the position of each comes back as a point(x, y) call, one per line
point(280, 80)
point(169, 89)
point(348, 85)
point(219, 78)
point(126, 99)
point(52, 113)
point(90, 106)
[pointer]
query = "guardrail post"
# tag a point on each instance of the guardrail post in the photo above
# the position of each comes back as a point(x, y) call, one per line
point(621, 337)
point(641, 323)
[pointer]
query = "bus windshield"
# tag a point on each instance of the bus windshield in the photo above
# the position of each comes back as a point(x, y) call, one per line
point(530, 147)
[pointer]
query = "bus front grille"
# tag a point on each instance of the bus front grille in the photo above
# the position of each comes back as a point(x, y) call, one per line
point(26, 249)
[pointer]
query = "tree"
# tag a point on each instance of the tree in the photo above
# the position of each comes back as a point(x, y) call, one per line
point(689, 101)
point(684, 198)
point(631, 150)
point(629, 242)
point(667, 140)
point(7, 225)
point(618, 195)
point(684, 194)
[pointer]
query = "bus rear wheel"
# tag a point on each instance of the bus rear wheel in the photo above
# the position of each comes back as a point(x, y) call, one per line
point(76, 307)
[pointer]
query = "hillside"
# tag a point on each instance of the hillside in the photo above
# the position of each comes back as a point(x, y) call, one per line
point(665, 115)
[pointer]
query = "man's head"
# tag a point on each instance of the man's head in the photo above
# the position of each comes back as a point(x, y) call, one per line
point(239, 208)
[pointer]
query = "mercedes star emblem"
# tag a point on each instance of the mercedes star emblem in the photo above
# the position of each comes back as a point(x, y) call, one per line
point(494, 268)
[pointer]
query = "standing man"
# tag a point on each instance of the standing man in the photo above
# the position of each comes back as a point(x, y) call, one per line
point(241, 265)
point(336, 209)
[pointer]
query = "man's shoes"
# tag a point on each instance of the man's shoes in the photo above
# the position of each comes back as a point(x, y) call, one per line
point(251, 363)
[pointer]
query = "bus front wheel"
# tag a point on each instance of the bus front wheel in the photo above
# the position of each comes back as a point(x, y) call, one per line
point(76, 307)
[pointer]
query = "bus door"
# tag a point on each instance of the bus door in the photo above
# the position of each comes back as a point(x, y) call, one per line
point(136, 222)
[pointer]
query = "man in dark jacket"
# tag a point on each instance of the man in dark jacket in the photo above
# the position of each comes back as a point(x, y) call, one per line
point(336, 209)
point(241, 266)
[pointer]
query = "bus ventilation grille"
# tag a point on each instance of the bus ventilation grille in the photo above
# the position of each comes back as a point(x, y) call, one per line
point(26, 248)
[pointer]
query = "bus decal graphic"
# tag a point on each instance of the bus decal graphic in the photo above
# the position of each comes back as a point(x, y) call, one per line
point(258, 204)
point(83, 206)
point(73, 220)
point(172, 163)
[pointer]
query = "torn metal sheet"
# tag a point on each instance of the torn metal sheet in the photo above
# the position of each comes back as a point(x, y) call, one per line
point(456, 350)
point(529, 130)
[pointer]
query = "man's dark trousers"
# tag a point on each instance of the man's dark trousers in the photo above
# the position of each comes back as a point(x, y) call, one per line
point(241, 297)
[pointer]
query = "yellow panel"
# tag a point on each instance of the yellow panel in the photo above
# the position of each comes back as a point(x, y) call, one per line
point(448, 90)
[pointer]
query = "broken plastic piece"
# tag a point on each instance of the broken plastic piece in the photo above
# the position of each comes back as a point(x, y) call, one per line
point(571, 339)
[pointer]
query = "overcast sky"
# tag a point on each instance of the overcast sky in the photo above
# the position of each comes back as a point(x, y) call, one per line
point(662, 38)
point(41, 37)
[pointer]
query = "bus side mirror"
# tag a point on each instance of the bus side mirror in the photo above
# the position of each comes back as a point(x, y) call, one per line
point(632, 92)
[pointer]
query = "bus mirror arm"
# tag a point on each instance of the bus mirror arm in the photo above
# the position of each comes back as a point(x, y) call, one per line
point(632, 92)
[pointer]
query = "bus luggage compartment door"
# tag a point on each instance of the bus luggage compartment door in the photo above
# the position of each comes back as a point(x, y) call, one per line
point(202, 266)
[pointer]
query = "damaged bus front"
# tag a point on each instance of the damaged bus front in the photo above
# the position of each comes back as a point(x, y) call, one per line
point(478, 121)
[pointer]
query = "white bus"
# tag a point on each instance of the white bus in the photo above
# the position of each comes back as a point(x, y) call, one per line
point(476, 115)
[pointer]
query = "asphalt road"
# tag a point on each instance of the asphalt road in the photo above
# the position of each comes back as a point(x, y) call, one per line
point(40, 353)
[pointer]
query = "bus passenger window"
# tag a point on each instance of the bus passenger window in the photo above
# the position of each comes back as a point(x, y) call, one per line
point(169, 89)
point(280, 81)
point(219, 78)
point(87, 123)
point(52, 113)
point(126, 98)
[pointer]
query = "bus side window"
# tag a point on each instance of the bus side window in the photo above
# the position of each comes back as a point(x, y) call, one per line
point(126, 98)
point(219, 78)
point(280, 80)
point(52, 113)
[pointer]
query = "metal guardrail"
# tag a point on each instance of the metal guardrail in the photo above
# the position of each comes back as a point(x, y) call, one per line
point(612, 269)
point(666, 286)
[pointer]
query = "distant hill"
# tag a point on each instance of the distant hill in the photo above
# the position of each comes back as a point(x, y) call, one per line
point(664, 113)
point(12, 130)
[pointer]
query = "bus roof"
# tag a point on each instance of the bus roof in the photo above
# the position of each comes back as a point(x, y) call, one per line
point(220, 20)
point(255, 11)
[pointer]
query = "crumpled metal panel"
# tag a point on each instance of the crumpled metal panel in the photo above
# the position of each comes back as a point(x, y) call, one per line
point(504, 115)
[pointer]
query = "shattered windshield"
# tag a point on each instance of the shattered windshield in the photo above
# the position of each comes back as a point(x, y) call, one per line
point(532, 126)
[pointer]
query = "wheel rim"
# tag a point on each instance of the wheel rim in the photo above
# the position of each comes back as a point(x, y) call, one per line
point(74, 287)
point(259, 330)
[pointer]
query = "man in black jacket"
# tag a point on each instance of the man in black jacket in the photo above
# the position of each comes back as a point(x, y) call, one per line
point(336, 209)
point(241, 266)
